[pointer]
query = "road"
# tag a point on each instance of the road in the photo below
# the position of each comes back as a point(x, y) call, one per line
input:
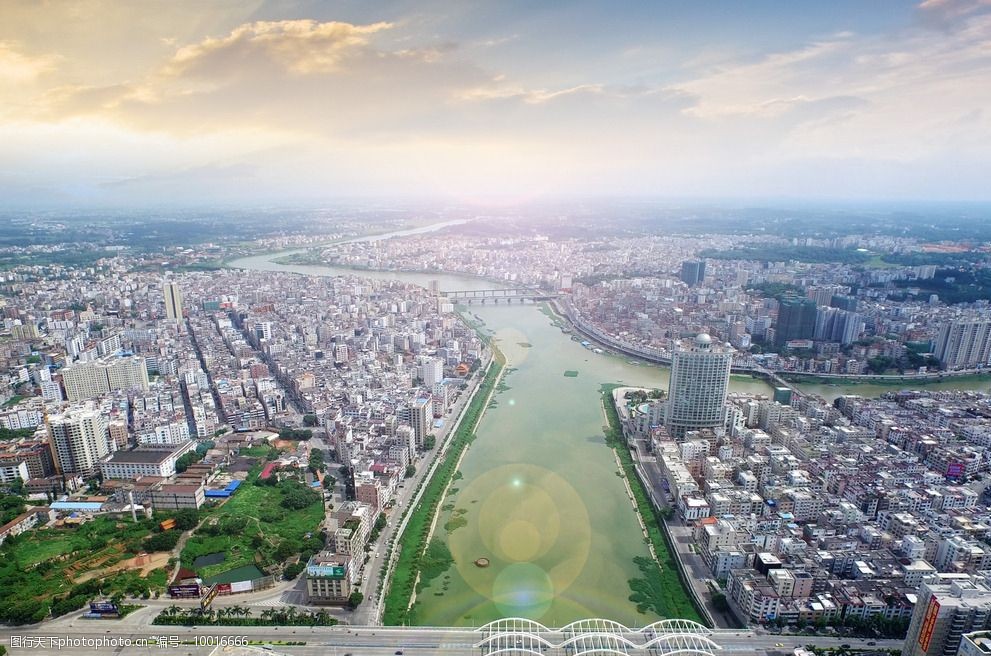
point(361, 641)
point(371, 611)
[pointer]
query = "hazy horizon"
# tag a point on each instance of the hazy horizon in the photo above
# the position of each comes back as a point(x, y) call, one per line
point(295, 102)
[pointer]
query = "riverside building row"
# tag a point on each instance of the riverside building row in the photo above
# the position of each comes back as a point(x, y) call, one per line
point(834, 515)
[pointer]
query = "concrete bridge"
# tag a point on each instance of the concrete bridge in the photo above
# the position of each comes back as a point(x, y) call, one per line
point(469, 296)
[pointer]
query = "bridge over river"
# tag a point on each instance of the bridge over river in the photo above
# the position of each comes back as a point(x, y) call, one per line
point(468, 296)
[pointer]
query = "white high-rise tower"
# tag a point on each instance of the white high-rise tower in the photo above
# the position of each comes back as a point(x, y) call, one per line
point(699, 381)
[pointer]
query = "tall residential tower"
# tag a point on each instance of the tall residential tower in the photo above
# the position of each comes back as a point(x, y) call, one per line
point(699, 381)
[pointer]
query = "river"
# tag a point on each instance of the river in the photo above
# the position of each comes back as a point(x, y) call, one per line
point(541, 497)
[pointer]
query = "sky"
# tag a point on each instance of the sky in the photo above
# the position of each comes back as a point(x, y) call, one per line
point(106, 103)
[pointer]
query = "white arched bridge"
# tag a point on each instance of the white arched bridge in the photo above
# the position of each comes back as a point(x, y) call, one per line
point(518, 636)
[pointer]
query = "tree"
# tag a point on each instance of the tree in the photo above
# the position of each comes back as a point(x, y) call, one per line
point(310, 420)
point(183, 463)
point(187, 518)
point(410, 471)
point(719, 602)
point(294, 570)
point(355, 600)
point(880, 364)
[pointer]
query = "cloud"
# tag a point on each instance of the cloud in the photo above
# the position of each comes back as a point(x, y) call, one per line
point(297, 46)
point(17, 67)
point(306, 106)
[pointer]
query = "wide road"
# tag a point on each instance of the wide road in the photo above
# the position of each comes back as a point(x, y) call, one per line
point(358, 641)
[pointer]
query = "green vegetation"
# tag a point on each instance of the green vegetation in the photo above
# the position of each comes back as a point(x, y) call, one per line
point(17, 398)
point(920, 258)
point(414, 555)
point(309, 257)
point(776, 290)
point(15, 434)
point(660, 588)
point(240, 616)
point(310, 420)
point(295, 434)
point(39, 569)
point(11, 506)
point(316, 463)
point(952, 285)
point(187, 459)
point(264, 523)
point(256, 451)
point(380, 523)
point(779, 253)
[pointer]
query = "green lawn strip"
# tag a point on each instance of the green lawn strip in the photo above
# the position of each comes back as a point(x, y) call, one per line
point(257, 451)
point(413, 541)
point(659, 589)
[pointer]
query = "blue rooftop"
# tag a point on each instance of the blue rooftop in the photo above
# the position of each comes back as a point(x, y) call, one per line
point(85, 506)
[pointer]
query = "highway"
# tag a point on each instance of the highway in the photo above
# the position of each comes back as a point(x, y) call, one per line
point(358, 641)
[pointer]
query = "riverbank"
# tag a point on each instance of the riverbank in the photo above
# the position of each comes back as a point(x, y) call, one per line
point(414, 540)
point(888, 379)
point(661, 588)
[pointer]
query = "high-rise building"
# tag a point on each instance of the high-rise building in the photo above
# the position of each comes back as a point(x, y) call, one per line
point(796, 319)
point(80, 438)
point(421, 414)
point(173, 301)
point(432, 372)
point(693, 272)
point(823, 294)
point(946, 609)
point(843, 302)
point(87, 380)
point(964, 343)
point(700, 373)
point(263, 330)
point(835, 325)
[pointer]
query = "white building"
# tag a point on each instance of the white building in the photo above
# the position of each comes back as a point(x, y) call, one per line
point(87, 380)
point(964, 343)
point(80, 439)
point(699, 381)
point(144, 462)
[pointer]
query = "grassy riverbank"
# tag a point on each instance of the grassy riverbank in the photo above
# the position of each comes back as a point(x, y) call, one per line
point(659, 589)
point(414, 555)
